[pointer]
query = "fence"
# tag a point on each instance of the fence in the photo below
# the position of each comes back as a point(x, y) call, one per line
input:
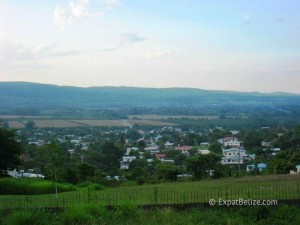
point(155, 196)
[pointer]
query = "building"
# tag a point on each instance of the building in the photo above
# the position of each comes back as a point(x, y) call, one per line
point(160, 156)
point(204, 151)
point(169, 145)
point(124, 164)
point(261, 166)
point(234, 156)
point(184, 148)
point(153, 149)
point(266, 144)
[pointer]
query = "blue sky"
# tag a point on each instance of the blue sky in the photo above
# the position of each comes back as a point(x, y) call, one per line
point(208, 44)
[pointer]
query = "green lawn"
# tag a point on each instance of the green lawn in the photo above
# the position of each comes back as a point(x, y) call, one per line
point(258, 187)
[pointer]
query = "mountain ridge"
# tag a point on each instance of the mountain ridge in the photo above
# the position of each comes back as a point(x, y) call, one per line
point(50, 96)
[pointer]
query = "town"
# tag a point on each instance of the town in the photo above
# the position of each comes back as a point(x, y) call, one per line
point(149, 154)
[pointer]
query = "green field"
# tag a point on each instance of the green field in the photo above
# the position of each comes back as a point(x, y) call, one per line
point(273, 187)
point(165, 117)
point(59, 122)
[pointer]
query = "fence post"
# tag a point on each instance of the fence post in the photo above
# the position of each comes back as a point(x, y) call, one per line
point(155, 195)
point(226, 192)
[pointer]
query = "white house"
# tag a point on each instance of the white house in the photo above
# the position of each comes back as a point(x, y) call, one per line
point(234, 156)
point(16, 174)
point(153, 149)
point(204, 151)
point(169, 145)
point(227, 139)
point(124, 164)
point(232, 143)
point(265, 143)
point(128, 150)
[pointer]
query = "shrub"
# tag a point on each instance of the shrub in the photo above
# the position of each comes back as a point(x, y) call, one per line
point(76, 215)
point(127, 209)
point(27, 217)
point(27, 186)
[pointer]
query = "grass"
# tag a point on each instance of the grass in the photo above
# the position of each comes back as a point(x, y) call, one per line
point(129, 213)
point(259, 187)
point(25, 186)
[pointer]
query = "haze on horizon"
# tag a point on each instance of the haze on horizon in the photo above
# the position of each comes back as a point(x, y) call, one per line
point(249, 45)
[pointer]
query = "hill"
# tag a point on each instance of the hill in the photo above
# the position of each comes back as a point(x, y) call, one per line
point(44, 96)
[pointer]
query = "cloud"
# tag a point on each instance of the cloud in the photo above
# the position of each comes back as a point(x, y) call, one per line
point(129, 38)
point(157, 54)
point(11, 52)
point(76, 10)
point(111, 2)
point(108, 49)
point(246, 19)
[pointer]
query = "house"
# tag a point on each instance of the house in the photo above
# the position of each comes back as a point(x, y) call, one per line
point(250, 167)
point(297, 170)
point(265, 143)
point(124, 164)
point(16, 174)
point(128, 150)
point(168, 145)
point(167, 160)
point(183, 148)
point(204, 151)
point(261, 166)
point(232, 143)
point(152, 148)
point(234, 132)
point(234, 156)
point(160, 156)
point(227, 139)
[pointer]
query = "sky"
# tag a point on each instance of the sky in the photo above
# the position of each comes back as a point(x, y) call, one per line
point(249, 45)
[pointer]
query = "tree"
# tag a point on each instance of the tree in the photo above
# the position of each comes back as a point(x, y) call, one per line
point(51, 159)
point(10, 150)
point(215, 147)
point(85, 171)
point(201, 165)
point(167, 171)
point(30, 125)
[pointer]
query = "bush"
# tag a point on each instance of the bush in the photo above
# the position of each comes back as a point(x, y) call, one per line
point(27, 217)
point(76, 215)
point(127, 209)
point(27, 186)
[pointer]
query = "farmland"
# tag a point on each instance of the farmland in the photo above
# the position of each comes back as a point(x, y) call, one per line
point(165, 117)
point(19, 122)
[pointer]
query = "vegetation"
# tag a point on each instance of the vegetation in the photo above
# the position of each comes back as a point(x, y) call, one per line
point(262, 187)
point(129, 213)
point(25, 186)
point(9, 151)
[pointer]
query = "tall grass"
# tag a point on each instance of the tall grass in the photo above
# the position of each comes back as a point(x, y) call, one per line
point(130, 214)
point(28, 217)
point(26, 186)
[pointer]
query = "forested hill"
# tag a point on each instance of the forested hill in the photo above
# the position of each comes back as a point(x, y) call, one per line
point(44, 96)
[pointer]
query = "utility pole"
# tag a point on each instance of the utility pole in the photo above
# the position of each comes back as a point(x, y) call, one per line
point(239, 161)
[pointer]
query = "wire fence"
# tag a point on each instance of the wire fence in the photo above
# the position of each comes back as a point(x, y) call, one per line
point(154, 196)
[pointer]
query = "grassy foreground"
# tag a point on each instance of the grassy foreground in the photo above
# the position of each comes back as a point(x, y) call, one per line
point(260, 187)
point(129, 214)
